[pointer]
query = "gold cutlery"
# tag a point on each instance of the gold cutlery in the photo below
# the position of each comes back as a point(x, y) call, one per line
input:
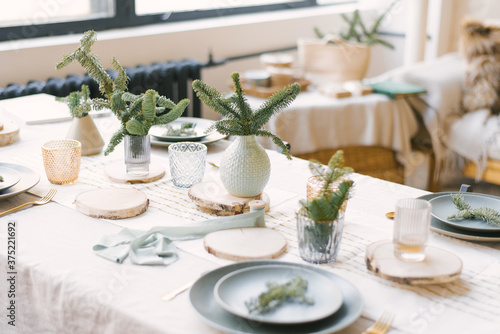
point(382, 325)
point(172, 294)
point(390, 215)
point(44, 200)
point(212, 164)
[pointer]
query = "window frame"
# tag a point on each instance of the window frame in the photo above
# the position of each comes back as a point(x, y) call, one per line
point(125, 16)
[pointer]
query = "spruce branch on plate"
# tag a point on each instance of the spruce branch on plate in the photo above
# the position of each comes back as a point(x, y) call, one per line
point(465, 211)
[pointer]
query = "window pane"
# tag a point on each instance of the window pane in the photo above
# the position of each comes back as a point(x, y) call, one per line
point(143, 7)
point(35, 12)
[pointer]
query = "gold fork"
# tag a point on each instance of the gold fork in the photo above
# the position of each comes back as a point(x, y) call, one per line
point(44, 200)
point(382, 325)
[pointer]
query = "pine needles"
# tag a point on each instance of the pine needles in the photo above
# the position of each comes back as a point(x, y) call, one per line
point(277, 294)
point(137, 113)
point(238, 117)
point(326, 206)
point(465, 211)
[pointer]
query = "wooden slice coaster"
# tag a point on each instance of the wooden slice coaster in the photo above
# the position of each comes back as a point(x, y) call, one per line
point(117, 172)
point(9, 133)
point(112, 203)
point(439, 265)
point(249, 243)
point(214, 199)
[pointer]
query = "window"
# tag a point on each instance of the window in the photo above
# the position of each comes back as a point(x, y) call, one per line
point(36, 18)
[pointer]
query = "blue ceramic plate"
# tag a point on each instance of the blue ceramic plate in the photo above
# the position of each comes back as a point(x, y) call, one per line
point(240, 286)
point(443, 207)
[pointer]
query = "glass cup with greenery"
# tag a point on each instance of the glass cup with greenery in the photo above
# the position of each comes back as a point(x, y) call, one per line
point(320, 221)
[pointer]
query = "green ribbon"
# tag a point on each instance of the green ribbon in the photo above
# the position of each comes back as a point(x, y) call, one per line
point(156, 247)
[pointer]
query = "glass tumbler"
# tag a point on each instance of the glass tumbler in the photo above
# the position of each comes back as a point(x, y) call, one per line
point(61, 159)
point(187, 163)
point(411, 229)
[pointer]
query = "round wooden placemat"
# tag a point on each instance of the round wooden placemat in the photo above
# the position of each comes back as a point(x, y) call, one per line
point(9, 133)
point(249, 243)
point(117, 172)
point(213, 198)
point(112, 203)
point(439, 265)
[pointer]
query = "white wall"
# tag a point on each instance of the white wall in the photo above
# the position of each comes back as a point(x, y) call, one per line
point(226, 37)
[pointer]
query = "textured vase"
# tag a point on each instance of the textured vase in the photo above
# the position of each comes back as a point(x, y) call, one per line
point(245, 167)
point(85, 131)
point(319, 241)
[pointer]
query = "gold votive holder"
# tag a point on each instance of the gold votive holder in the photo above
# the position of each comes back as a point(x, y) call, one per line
point(61, 159)
point(314, 185)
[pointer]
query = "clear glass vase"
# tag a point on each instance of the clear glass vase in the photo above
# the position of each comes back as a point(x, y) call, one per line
point(319, 241)
point(137, 154)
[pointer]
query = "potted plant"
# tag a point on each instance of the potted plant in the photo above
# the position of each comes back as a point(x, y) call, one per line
point(344, 56)
point(245, 166)
point(136, 113)
point(83, 127)
point(320, 220)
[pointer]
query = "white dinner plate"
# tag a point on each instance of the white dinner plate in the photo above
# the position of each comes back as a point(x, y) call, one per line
point(201, 126)
point(29, 178)
point(443, 207)
point(448, 230)
point(10, 178)
point(203, 301)
point(235, 289)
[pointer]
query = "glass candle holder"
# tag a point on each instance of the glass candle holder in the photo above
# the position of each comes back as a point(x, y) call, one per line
point(319, 241)
point(187, 163)
point(411, 229)
point(61, 159)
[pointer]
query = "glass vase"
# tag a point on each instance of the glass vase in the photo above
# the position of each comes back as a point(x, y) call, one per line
point(137, 154)
point(319, 241)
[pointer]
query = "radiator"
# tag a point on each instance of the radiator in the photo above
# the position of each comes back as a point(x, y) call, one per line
point(171, 79)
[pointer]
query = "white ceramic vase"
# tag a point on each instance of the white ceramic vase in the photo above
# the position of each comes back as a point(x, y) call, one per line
point(85, 131)
point(245, 167)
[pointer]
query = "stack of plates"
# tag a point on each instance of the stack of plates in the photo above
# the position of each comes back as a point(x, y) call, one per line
point(219, 298)
point(466, 229)
point(159, 138)
point(17, 179)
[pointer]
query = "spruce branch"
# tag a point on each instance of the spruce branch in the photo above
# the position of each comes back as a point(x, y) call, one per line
point(465, 211)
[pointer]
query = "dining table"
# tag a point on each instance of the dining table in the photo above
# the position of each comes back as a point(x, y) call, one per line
point(54, 282)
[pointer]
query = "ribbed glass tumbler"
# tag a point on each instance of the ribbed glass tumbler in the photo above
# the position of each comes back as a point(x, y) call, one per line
point(187, 163)
point(137, 151)
point(319, 241)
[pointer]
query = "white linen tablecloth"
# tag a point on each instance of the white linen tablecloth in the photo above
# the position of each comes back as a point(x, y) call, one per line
point(63, 287)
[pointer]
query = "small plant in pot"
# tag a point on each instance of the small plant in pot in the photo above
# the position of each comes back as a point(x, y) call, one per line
point(245, 167)
point(136, 113)
point(320, 220)
point(343, 56)
point(83, 127)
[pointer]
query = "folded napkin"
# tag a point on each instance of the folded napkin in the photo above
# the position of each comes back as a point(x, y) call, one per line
point(155, 246)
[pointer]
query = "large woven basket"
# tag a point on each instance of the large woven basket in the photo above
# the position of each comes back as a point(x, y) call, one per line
point(375, 161)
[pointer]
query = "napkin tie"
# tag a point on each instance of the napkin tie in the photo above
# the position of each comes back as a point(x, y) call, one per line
point(156, 247)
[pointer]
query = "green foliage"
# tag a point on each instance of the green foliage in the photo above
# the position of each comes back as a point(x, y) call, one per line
point(326, 205)
point(238, 117)
point(357, 30)
point(137, 113)
point(465, 211)
point(79, 102)
point(293, 290)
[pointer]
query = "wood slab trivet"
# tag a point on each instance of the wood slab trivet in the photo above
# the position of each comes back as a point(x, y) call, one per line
point(439, 265)
point(214, 199)
point(112, 203)
point(9, 133)
point(117, 172)
point(249, 243)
